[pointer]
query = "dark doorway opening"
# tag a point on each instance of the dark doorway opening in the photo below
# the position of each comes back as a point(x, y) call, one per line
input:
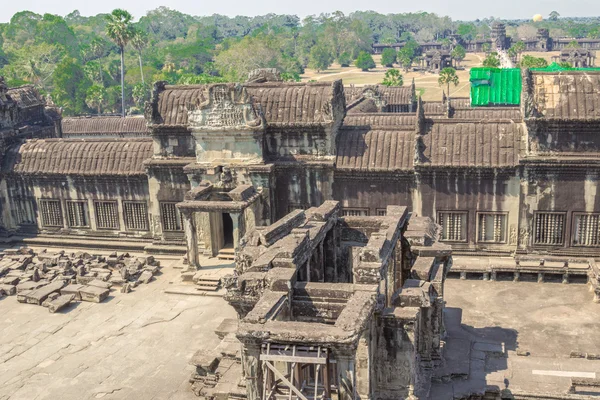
point(227, 230)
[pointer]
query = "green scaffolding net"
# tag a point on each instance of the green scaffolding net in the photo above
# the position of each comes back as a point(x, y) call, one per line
point(555, 67)
point(495, 86)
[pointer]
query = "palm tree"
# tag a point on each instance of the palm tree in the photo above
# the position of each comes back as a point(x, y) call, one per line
point(120, 31)
point(448, 76)
point(139, 42)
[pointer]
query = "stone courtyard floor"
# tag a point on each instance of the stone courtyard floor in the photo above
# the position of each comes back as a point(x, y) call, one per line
point(546, 320)
point(131, 346)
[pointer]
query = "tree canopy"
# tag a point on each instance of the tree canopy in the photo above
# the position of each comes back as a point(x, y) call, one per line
point(448, 76)
point(165, 44)
point(393, 77)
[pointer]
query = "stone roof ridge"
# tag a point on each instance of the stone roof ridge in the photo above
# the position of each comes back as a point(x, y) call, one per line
point(85, 140)
point(86, 157)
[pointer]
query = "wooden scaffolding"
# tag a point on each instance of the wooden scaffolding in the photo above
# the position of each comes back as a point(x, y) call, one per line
point(297, 372)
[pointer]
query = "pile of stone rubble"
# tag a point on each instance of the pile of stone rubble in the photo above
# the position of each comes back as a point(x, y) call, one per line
point(55, 279)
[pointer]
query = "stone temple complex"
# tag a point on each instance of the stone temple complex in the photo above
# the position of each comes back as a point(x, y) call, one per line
point(345, 208)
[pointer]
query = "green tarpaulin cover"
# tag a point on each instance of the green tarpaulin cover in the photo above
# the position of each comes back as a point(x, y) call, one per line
point(495, 86)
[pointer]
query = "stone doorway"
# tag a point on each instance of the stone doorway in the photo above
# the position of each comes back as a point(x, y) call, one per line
point(227, 230)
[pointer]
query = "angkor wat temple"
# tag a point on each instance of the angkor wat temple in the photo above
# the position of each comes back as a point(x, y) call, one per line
point(209, 162)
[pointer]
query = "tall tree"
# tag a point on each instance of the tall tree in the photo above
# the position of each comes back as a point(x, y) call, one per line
point(492, 60)
point(393, 77)
point(458, 53)
point(388, 57)
point(120, 31)
point(519, 48)
point(95, 97)
point(448, 76)
point(319, 58)
point(554, 16)
point(364, 61)
point(139, 41)
point(533, 62)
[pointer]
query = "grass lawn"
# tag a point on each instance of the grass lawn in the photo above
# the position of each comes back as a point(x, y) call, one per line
point(426, 83)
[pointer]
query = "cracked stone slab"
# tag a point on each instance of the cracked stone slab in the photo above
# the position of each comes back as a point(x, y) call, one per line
point(93, 294)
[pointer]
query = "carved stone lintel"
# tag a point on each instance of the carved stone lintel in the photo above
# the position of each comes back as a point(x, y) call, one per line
point(227, 107)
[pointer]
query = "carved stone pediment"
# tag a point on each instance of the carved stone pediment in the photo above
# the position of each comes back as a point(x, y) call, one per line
point(227, 107)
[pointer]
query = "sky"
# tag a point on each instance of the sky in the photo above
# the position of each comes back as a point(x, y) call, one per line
point(456, 9)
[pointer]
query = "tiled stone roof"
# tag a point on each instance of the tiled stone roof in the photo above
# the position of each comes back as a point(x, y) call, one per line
point(26, 96)
point(79, 157)
point(377, 149)
point(452, 143)
point(104, 126)
point(566, 94)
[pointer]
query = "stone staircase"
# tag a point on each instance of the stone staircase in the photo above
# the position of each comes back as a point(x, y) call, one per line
point(208, 284)
point(226, 253)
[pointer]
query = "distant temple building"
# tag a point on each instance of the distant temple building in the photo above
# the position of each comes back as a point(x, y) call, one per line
point(577, 57)
point(498, 40)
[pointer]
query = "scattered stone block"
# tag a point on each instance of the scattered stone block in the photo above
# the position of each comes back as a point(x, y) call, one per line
point(152, 268)
point(29, 285)
point(39, 295)
point(205, 362)
point(577, 354)
point(523, 353)
point(85, 279)
point(145, 277)
point(22, 296)
point(187, 276)
point(126, 288)
point(93, 294)
point(117, 280)
point(60, 302)
point(9, 290)
point(100, 284)
point(73, 289)
point(11, 280)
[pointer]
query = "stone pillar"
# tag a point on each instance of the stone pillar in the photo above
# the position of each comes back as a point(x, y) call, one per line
point(252, 370)
point(517, 276)
point(321, 262)
point(344, 359)
point(493, 275)
point(540, 277)
point(235, 217)
point(486, 276)
point(463, 275)
point(191, 238)
point(362, 366)
point(565, 278)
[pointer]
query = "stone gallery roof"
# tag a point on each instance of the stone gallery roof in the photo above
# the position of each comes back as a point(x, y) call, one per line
point(396, 95)
point(295, 103)
point(488, 113)
point(172, 103)
point(471, 144)
point(392, 95)
point(566, 94)
point(377, 149)
point(79, 157)
point(26, 96)
point(434, 108)
point(104, 126)
point(281, 103)
point(460, 102)
point(381, 119)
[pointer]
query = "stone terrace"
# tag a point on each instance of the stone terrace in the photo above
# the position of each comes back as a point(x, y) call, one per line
point(518, 336)
point(136, 345)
